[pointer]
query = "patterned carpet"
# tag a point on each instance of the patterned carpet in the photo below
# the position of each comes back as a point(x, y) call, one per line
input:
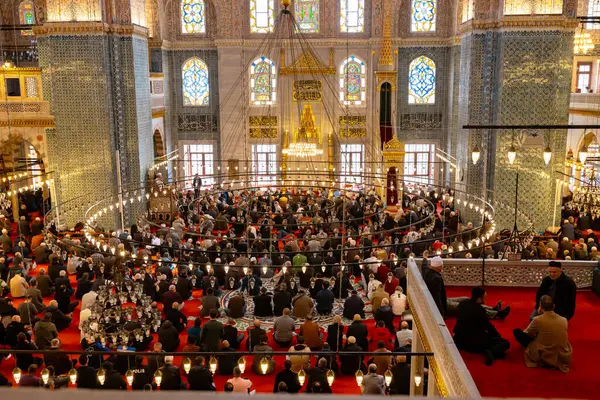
point(321, 320)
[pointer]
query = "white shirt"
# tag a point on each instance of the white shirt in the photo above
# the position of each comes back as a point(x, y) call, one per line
point(403, 335)
point(373, 263)
point(84, 315)
point(398, 303)
point(88, 299)
point(373, 285)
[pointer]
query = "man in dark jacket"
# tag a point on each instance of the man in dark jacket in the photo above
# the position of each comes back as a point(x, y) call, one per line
point(560, 288)
point(168, 335)
point(172, 297)
point(44, 283)
point(400, 377)
point(262, 304)
point(319, 374)
point(435, 283)
point(86, 375)
point(199, 377)
point(354, 305)
point(227, 362)
point(212, 333)
point(325, 299)
point(231, 334)
point(474, 332)
point(113, 380)
point(359, 331)
point(289, 377)
point(335, 333)
point(184, 286)
point(171, 376)
point(281, 299)
point(351, 362)
point(141, 374)
point(177, 318)
point(236, 306)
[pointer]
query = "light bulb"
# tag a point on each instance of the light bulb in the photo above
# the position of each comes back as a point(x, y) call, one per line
point(158, 377)
point(101, 375)
point(242, 364)
point(330, 377)
point(284, 269)
point(301, 377)
point(359, 377)
point(245, 269)
point(547, 155)
point(187, 365)
point(264, 269)
point(226, 268)
point(388, 377)
point(264, 365)
point(73, 375)
point(213, 365)
point(418, 380)
point(17, 374)
point(129, 376)
point(304, 269)
point(475, 154)
point(512, 154)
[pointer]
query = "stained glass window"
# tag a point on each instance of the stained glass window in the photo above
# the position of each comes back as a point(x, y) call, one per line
point(27, 12)
point(195, 83)
point(262, 16)
point(353, 81)
point(193, 16)
point(421, 81)
point(263, 81)
point(307, 15)
point(352, 16)
point(423, 15)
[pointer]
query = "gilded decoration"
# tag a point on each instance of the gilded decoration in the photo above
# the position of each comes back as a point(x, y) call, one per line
point(29, 123)
point(88, 28)
point(309, 63)
point(386, 76)
point(352, 120)
point(307, 96)
point(263, 133)
point(308, 84)
point(346, 133)
point(262, 120)
point(525, 21)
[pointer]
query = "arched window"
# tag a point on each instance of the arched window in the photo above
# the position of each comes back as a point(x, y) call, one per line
point(263, 81)
point(195, 83)
point(421, 81)
point(352, 16)
point(307, 15)
point(193, 16)
point(26, 12)
point(262, 16)
point(593, 11)
point(423, 15)
point(353, 81)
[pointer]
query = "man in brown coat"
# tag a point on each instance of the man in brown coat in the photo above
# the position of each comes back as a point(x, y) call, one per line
point(303, 305)
point(378, 296)
point(546, 339)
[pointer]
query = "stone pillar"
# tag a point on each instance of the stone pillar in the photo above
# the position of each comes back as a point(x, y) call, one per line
point(519, 75)
point(96, 79)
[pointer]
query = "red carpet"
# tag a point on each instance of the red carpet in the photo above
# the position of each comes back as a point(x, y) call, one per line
point(511, 378)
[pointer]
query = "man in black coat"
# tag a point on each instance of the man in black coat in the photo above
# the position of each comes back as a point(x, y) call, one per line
point(335, 333)
point(199, 377)
point(171, 376)
point(262, 304)
point(289, 377)
point(400, 377)
point(281, 299)
point(435, 283)
point(227, 362)
point(560, 288)
point(113, 380)
point(212, 333)
point(141, 374)
point(474, 332)
point(86, 375)
point(359, 331)
point(354, 305)
point(318, 374)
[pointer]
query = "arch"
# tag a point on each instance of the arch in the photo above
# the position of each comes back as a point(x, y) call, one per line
point(159, 145)
point(193, 16)
point(262, 16)
point(19, 154)
point(421, 81)
point(307, 13)
point(27, 12)
point(196, 90)
point(353, 81)
point(263, 82)
point(423, 15)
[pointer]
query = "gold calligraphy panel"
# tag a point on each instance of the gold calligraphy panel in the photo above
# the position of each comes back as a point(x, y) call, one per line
point(262, 120)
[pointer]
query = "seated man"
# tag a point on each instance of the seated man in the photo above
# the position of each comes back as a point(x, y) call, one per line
point(474, 332)
point(546, 339)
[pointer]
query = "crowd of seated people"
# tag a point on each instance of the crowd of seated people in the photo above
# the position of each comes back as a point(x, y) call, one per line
point(311, 249)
